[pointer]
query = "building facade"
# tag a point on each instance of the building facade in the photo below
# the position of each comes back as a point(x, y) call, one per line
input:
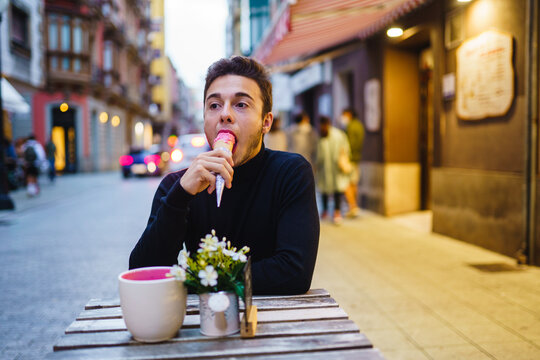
point(22, 57)
point(449, 106)
point(96, 61)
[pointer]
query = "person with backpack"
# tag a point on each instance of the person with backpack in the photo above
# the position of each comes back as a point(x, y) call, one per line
point(34, 155)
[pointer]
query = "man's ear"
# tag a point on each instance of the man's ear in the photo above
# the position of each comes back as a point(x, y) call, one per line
point(267, 122)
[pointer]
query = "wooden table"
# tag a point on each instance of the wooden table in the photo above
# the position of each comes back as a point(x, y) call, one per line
point(310, 326)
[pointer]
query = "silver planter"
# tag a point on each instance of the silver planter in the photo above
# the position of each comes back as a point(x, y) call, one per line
point(219, 313)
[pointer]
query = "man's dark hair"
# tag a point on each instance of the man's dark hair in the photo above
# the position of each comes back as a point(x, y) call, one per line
point(351, 111)
point(324, 120)
point(242, 66)
point(299, 117)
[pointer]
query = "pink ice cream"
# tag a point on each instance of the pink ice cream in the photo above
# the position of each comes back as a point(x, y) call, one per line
point(224, 140)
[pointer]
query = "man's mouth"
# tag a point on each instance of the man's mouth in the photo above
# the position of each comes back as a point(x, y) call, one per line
point(235, 138)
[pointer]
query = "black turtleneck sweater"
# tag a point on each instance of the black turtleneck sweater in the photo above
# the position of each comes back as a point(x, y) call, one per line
point(271, 208)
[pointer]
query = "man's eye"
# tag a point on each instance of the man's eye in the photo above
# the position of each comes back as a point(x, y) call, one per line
point(213, 106)
point(241, 105)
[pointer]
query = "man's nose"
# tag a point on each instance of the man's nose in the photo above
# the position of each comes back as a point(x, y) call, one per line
point(226, 114)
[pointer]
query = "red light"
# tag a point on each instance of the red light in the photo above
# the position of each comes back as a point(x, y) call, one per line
point(125, 160)
point(152, 158)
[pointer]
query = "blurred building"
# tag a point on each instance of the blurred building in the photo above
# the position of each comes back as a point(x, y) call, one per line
point(96, 60)
point(449, 100)
point(21, 57)
point(160, 69)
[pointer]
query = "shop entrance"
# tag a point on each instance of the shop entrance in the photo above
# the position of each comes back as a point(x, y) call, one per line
point(64, 137)
point(409, 118)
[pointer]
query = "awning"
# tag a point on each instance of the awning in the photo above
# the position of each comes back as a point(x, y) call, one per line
point(304, 27)
point(12, 101)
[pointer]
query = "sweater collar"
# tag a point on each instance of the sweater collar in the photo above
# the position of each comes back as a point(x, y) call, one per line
point(251, 168)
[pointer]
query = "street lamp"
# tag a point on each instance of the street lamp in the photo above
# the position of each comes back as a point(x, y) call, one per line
point(5, 201)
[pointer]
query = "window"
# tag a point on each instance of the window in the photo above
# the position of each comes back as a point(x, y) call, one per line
point(67, 43)
point(20, 39)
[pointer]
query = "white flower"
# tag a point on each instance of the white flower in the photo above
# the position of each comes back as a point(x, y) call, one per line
point(178, 273)
point(183, 257)
point(208, 276)
point(210, 242)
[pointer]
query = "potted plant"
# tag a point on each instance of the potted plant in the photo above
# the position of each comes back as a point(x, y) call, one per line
point(216, 273)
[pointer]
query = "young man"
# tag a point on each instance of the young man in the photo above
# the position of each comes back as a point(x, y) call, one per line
point(269, 200)
point(355, 133)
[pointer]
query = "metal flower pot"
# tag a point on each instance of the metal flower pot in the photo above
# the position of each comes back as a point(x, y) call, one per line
point(219, 313)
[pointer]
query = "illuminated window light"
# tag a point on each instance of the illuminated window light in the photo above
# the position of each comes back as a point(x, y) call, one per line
point(394, 32)
point(464, 1)
point(64, 107)
point(139, 128)
point(103, 117)
point(115, 121)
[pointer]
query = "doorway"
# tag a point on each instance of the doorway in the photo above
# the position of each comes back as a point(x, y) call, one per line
point(64, 137)
point(425, 126)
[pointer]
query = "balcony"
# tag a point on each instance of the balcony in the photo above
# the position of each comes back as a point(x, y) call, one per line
point(68, 68)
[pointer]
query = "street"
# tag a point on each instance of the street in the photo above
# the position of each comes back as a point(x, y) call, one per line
point(61, 249)
point(415, 294)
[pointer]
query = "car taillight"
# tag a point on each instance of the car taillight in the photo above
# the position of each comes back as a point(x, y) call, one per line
point(125, 160)
point(177, 155)
point(154, 158)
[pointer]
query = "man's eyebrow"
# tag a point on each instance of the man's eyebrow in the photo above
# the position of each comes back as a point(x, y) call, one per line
point(243, 94)
point(238, 94)
point(214, 95)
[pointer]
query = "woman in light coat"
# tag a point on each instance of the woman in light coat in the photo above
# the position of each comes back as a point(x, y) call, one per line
point(333, 166)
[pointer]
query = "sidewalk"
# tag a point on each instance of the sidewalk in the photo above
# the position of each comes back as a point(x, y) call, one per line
point(417, 295)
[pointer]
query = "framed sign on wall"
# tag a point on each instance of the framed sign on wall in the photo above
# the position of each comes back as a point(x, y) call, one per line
point(484, 76)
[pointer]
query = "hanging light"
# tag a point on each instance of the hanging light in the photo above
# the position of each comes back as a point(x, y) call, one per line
point(64, 107)
point(394, 32)
point(103, 117)
point(115, 121)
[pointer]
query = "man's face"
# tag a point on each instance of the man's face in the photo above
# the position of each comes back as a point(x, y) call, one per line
point(234, 103)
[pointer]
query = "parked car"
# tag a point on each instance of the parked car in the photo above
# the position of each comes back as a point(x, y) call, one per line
point(186, 149)
point(142, 162)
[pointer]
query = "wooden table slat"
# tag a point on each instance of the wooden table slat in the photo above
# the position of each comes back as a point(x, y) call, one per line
point(83, 326)
point(114, 302)
point(118, 338)
point(221, 348)
point(262, 305)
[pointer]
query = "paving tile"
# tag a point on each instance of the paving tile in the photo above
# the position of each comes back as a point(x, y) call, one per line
point(512, 350)
point(391, 339)
point(406, 355)
point(467, 351)
point(434, 336)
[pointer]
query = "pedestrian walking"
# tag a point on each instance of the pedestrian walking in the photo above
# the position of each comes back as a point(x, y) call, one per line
point(355, 133)
point(276, 139)
point(34, 156)
point(50, 150)
point(302, 137)
point(333, 166)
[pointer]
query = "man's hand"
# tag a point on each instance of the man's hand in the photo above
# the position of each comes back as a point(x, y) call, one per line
point(202, 172)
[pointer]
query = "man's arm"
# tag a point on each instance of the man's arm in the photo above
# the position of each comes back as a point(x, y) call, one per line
point(165, 232)
point(290, 269)
point(167, 226)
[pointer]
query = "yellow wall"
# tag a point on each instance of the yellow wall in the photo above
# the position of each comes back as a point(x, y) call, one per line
point(160, 66)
